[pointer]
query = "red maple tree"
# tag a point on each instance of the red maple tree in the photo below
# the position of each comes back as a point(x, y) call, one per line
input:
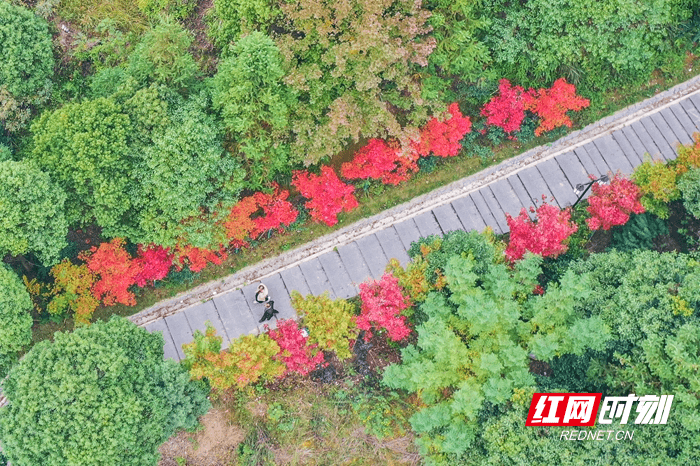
point(380, 161)
point(382, 303)
point(442, 137)
point(154, 263)
point(545, 237)
point(277, 211)
point(116, 270)
point(612, 204)
point(295, 352)
point(327, 195)
point(507, 109)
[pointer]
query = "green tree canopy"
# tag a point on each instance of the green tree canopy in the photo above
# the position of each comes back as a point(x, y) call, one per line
point(5, 153)
point(459, 52)
point(162, 57)
point(31, 209)
point(15, 321)
point(641, 294)
point(504, 439)
point(356, 66)
point(101, 395)
point(472, 350)
point(148, 110)
point(229, 19)
point(145, 164)
point(649, 300)
point(182, 180)
point(83, 147)
point(593, 43)
point(26, 56)
point(255, 106)
point(689, 186)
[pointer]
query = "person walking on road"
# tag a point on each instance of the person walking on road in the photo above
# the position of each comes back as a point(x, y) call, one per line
point(270, 311)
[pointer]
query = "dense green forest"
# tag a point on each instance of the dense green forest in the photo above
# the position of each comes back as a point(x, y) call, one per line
point(142, 141)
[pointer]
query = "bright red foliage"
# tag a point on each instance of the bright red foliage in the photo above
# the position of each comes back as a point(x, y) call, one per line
point(327, 195)
point(277, 211)
point(612, 204)
point(552, 104)
point(116, 269)
point(382, 303)
point(442, 137)
point(544, 237)
point(378, 160)
point(198, 257)
point(154, 263)
point(507, 109)
point(295, 352)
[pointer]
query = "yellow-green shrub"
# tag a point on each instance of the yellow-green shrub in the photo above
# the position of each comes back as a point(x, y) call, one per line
point(657, 182)
point(248, 359)
point(330, 322)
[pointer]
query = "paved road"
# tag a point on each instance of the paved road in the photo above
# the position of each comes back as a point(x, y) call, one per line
point(619, 142)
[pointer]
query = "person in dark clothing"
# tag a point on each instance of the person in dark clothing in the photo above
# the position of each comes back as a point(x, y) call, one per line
point(270, 311)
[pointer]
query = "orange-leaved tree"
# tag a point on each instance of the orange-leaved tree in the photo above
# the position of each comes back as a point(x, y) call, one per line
point(552, 104)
